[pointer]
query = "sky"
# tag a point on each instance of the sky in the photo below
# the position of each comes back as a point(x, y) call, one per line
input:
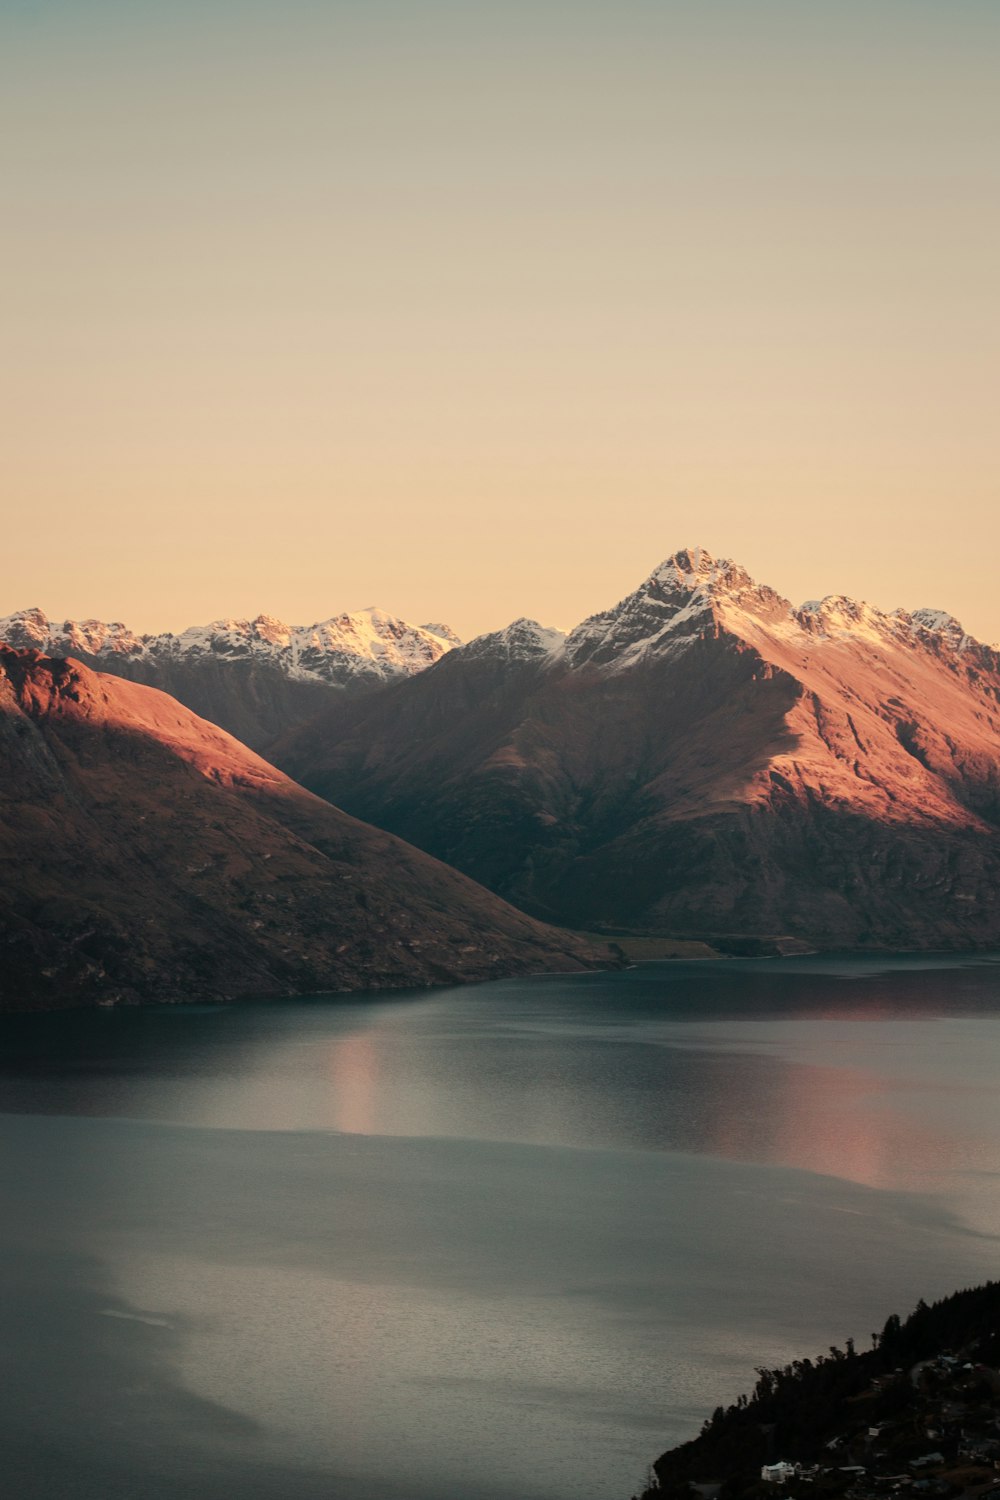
point(481, 309)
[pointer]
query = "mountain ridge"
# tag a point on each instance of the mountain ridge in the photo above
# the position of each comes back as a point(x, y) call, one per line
point(700, 758)
point(365, 643)
point(254, 678)
point(691, 585)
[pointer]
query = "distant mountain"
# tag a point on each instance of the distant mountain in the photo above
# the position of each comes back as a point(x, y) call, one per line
point(255, 678)
point(146, 854)
point(702, 758)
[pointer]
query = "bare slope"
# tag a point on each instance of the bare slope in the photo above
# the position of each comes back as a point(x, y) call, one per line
point(147, 854)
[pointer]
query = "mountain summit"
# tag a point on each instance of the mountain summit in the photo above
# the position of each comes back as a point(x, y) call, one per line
point(702, 757)
point(686, 595)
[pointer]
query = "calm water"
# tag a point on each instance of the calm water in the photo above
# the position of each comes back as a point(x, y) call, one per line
point(499, 1243)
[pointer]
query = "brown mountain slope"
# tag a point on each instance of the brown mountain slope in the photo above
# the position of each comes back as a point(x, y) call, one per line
point(701, 758)
point(147, 854)
point(252, 700)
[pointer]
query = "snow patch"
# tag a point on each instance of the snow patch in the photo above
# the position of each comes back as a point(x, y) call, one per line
point(523, 640)
point(366, 645)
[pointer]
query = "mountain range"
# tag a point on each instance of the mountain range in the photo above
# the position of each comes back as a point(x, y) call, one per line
point(702, 758)
point(252, 677)
point(146, 854)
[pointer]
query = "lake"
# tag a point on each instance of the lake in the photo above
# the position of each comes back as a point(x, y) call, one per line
point(504, 1242)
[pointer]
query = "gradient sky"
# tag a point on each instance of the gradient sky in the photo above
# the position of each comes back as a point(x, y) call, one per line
point(481, 309)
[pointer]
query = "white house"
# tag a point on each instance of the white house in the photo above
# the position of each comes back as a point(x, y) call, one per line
point(778, 1473)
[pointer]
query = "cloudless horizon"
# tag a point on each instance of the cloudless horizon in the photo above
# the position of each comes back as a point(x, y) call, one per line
point(468, 625)
point(478, 310)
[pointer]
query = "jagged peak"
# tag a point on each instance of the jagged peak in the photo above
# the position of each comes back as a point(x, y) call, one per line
point(367, 645)
point(693, 579)
point(36, 615)
point(692, 560)
point(839, 611)
point(690, 567)
point(521, 640)
point(838, 614)
point(940, 621)
point(695, 568)
point(443, 632)
point(684, 597)
point(27, 629)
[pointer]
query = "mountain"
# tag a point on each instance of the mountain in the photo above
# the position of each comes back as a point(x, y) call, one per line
point(255, 678)
point(702, 758)
point(146, 854)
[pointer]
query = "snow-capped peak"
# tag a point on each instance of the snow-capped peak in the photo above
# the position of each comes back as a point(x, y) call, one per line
point(32, 628)
point(681, 599)
point(940, 623)
point(695, 567)
point(837, 615)
point(27, 629)
point(693, 594)
point(445, 633)
point(523, 640)
point(368, 645)
point(694, 571)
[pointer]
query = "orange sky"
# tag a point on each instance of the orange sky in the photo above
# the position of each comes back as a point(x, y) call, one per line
point(477, 310)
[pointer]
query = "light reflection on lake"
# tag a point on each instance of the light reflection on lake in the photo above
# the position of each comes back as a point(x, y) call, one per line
point(498, 1242)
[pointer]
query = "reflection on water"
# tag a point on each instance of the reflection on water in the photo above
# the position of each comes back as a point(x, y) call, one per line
point(885, 1078)
point(507, 1241)
point(354, 1062)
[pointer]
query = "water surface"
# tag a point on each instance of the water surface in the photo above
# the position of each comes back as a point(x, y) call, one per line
point(503, 1242)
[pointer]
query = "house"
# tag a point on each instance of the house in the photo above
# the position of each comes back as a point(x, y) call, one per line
point(778, 1473)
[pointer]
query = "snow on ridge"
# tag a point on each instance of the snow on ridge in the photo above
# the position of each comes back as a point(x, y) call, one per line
point(689, 594)
point(839, 615)
point(692, 594)
point(695, 567)
point(444, 632)
point(940, 622)
point(521, 640)
point(366, 645)
point(27, 629)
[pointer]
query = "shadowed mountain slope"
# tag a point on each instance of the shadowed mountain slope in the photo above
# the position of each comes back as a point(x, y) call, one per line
point(701, 758)
point(146, 854)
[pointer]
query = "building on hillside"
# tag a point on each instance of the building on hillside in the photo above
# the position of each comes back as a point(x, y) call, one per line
point(778, 1473)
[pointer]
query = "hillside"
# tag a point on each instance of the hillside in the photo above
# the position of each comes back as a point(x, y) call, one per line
point(146, 854)
point(917, 1413)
